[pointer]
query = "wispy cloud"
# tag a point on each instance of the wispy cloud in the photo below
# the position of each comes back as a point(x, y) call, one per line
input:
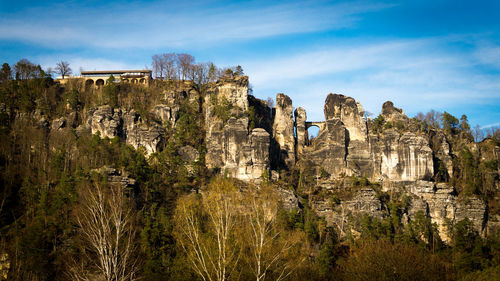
point(417, 74)
point(163, 24)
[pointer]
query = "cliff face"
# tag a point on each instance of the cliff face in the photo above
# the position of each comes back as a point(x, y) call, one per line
point(244, 141)
point(232, 147)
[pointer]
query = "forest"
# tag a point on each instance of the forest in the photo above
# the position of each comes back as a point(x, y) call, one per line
point(75, 206)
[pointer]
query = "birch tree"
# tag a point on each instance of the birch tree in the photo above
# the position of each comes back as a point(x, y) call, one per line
point(205, 230)
point(106, 226)
point(269, 246)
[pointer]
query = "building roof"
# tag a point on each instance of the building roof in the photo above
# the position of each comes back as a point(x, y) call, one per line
point(116, 71)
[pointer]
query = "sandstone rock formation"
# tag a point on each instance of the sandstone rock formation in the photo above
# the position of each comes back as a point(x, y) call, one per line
point(231, 148)
point(283, 129)
point(244, 141)
point(109, 123)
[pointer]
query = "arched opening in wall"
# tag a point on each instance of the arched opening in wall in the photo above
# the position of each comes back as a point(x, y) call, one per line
point(89, 84)
point(99, 82)
point(125, 80)
point(134, 81)
point(142, 81)
point(312, 133)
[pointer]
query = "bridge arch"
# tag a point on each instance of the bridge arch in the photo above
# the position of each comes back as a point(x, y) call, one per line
point(99, 82)
point(320, 126)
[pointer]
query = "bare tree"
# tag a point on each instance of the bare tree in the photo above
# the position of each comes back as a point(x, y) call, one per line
point(209, 243)
point(478, 133)
point(184, 62)
point(63, 68)
point(106, 226)
point(158, 66)
point(269, 245)
point(168, 60)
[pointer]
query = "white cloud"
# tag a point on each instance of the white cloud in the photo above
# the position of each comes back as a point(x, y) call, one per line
point(490, 126)
point(417, 75)
point(163, 24)
point(489, 54)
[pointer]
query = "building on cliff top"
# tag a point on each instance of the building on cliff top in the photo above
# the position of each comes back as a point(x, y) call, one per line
point(99, 78)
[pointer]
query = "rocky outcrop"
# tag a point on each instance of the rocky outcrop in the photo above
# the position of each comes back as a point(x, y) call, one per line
point(350, 112)
point(231, 148)
point(301, 131)
point(234, 90)
point(138, 134)
point(116, 176)
point(246, 157)
point(402, 157)
point(283, 129)
point(392, 113)
point(344, 215)
point(105, 121)
point(166, 114)
point(443, 207)
point(243, 141)
point(109, 123)
point(328, 150)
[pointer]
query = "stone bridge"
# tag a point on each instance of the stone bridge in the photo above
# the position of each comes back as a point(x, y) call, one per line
point(319, 124)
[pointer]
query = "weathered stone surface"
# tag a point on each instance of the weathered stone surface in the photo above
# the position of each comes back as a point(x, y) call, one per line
point(58, 123)
point(405, 157)
point(288, 199)
point(283, 129)
point(109, 122)
point(220, 132)
point(138, 134)
point(231, 147)
point(116, 176)
point(259, 143)
point(300, 127)
point(246, 156)
point(166, 114)
point(351, 113)
point(343, 215)
point(392, 113)
point(234, 90)
point(438, 202)
point(328, 150)
point(105, 121)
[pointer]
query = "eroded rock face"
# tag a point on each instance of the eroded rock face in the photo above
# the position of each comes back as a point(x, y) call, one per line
point(246, 156)
point(231, 148)
point(344, 214)
point(403, 157)
point(392, 113)
point(438, 202)
point(166, 114)
point(138, 134)
point(283, 129)
point(351, 113)
point(328, 150)
point(106, 121)
point(300, 126)
point(116, 176)
point(110, 123)
point(234, 90)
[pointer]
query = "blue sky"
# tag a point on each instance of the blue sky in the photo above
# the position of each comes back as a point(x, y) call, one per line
point(422, 55)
